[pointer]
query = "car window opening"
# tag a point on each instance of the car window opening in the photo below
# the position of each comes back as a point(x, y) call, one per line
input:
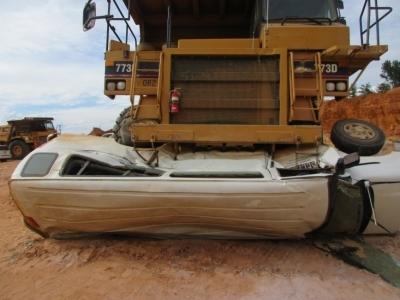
point(241, 175)
point(81, 166)
point(302, 172)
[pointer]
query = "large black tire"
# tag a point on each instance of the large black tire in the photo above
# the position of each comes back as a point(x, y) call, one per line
point(19, 149)
point(352, 135)
point(124, 119)
point(121, 129)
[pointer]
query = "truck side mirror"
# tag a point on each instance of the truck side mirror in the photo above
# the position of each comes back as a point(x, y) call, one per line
point(89, 16)
point(340, 4)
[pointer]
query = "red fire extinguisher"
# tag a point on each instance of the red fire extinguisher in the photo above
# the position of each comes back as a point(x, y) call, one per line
point(174, 101)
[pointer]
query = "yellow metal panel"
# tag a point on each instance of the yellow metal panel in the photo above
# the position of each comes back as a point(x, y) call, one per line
point(175, 135)
point(109, 63)
point(149, 55)
point(220, 43)
point(115, 46)
point(147, 112)
point(275, 136)
point(118, 56)
point(305, 37)
point(227, 133)
point(146, 90)
point(146, 83)
point(112, 93)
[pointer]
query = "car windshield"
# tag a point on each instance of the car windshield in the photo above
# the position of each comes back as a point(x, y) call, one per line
point(282, 9)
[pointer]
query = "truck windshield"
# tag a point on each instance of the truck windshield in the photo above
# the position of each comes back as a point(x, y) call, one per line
point(49, 125)
point(282, 9)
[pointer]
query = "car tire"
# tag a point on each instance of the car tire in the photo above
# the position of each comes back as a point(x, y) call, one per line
point(19, 149)
point(121, 129)
point(352, 135)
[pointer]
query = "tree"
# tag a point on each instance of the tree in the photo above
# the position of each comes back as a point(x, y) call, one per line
point(383, 87)
point(366, 89)
point(353, 92)
point(390, 71)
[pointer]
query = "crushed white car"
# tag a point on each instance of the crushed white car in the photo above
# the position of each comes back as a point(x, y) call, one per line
point(77, 185)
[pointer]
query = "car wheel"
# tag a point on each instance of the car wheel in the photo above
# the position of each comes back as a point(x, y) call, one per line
point(19, 149)
point(352, 135)
point(122, 127)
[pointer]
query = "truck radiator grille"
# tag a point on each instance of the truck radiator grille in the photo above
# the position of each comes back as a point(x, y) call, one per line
point(226, 89)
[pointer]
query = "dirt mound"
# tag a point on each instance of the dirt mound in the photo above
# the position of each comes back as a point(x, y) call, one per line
point(382, 110)
point(99, 132)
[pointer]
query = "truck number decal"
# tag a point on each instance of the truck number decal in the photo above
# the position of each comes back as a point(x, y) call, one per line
point(124, 68)
point(329, 68)
point(119, 69)
point(149, 82)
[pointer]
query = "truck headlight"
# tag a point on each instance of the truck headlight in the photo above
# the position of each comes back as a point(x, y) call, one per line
point(341, 86)
point(330, 86)
point(110, 86)
point(121, 85)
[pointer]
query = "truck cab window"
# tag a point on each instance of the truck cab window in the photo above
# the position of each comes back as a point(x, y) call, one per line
point(281, 9)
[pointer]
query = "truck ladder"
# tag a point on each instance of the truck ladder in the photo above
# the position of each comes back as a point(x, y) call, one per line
point(147, 85)
point(306, 93)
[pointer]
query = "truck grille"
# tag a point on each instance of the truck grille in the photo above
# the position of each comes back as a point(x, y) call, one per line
point(226, 89)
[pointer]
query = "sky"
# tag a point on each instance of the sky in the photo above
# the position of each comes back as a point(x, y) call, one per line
point(51, 68)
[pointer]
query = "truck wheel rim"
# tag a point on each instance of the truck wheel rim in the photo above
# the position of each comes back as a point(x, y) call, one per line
point(359, 131)
point(17, 150)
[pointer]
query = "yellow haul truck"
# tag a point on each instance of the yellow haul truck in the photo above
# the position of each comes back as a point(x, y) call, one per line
point(24, 135)
point(235, 73)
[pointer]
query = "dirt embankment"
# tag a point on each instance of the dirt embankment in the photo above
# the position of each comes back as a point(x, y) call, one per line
point(382, 110)
point(99, 132)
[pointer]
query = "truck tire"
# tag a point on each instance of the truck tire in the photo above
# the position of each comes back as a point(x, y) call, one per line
point(19, 149)
point(121, 129)
point(352, 135)
point(124, 119)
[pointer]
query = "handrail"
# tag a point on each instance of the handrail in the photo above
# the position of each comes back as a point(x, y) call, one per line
point(376, 8)
point(133, 80)
point(127, 27)
point(292, 92)
point(320, 91)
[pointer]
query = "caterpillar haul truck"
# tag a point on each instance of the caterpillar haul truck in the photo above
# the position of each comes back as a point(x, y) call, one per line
point(24, 135)
point(232, 73)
